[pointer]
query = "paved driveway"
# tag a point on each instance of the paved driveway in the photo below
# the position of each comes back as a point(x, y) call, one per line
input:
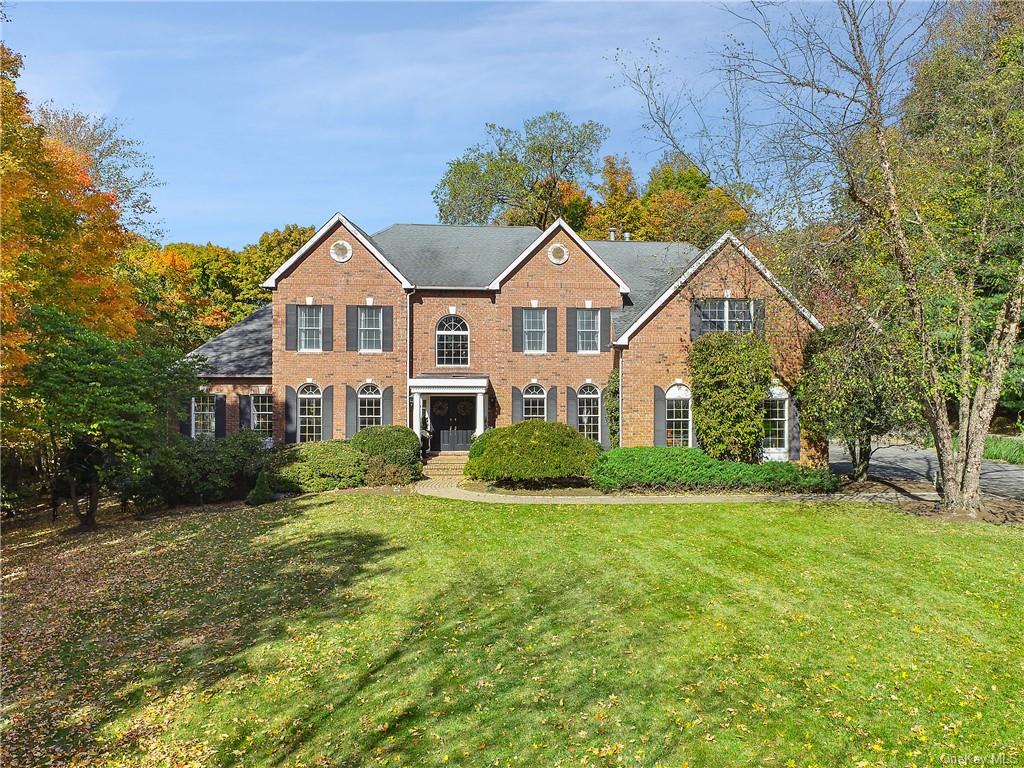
point(906, 463)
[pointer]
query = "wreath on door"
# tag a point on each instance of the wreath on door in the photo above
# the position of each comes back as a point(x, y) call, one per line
point(440, 408)
point(464, 408)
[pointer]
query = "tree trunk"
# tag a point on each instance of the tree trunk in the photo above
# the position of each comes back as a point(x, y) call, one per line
point(92, 505)
point(860, 457)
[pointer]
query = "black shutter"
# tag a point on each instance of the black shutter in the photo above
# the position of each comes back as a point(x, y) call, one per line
point(517, 404)
point(570, 329)
point(571, 412)
point(552, 406)
point(387, 407)
point(220, 427)
point(659, 417)
point(352, 328)
point(517, 329)
point(351, 412)
point(606, 329)
point(327, 343)
point(185, 425)
point(759, 317)
point(606, 441)
point(244, 412)
point(794, 430)
point(327, 411)
point(291, 415)
point(552, 329)
point(388, 325)
point(291, 327)
point(695, 318)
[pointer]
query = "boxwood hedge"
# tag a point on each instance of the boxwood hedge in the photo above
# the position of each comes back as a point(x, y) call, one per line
point(314, 467)
point(393, 454)
point(689, 469)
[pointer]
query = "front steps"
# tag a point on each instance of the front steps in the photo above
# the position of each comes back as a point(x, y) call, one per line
point(445, 465)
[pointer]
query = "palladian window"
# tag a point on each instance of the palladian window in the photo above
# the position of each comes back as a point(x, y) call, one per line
point(452, 341)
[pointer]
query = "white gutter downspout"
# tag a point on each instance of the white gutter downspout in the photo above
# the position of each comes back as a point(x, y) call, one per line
point(408, 358)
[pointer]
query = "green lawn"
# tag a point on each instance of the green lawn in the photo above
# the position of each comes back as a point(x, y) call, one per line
point(345, 630)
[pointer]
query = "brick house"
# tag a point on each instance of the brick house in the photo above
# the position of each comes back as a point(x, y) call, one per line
point(455, 329)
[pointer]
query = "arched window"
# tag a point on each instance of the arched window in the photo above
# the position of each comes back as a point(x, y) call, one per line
point(452, 341)
point(534, 403)
point(775, 443)
point(369, 406)
point(588, 412)
point(678, 416)
point(311, 414)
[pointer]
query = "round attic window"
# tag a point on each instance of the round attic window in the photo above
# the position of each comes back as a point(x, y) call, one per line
point(558, 254)
point(341, 251)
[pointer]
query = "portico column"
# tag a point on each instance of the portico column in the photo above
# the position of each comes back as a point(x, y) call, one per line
point(480, 419)
point(417, 412)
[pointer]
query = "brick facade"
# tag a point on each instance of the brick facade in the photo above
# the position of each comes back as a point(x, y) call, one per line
point(656, 355)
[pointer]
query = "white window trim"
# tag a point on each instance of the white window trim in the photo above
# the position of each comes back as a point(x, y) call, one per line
point(320, 318)
point(469, 351)
point(544, 331)
point(299, 396)
point(361, 311)
point(682, 392)
point(589, 351)
point(361, 395)
point(728, 303)
point(543, 398)
point(779, 454)
point(600, 409)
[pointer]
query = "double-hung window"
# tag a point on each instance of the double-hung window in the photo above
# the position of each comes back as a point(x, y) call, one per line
point(774, 424)
point(588, 412)
point(535, 331)
point(534, 403)
point(452, 337)
point(371, 329)
point(311, 328)
point(263, 415)
point(370, 414)
point(677, 416)
point(204, 418)
point(588, 326)
point(311, 414)
point(735, 315)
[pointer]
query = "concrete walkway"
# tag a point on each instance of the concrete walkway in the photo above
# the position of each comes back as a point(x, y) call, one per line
point(448, 488)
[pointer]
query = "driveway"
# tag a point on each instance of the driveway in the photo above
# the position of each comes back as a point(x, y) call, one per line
point(908, 463)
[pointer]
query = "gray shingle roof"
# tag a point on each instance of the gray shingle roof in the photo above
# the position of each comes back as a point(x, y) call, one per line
point(647, 268)
point(461, 257)
point(452, 256)
point(244, 349)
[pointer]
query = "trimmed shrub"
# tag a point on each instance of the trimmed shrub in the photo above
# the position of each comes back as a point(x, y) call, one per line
point(203, 470)
point(731, 376)
point(261, 493)
point(379, 471)
point(476, 447)
point(690, 469)
point(315, 467)
point(533, 452)
point(397, 446)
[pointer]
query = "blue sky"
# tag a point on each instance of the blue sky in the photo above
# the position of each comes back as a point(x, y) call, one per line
point(261, 114)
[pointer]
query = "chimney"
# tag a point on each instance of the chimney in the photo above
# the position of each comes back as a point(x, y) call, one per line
point(611, 233)
point(627, 236)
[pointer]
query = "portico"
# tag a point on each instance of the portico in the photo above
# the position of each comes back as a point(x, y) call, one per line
point(452, 409)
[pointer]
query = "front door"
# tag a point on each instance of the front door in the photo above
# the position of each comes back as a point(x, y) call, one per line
point(453, 419)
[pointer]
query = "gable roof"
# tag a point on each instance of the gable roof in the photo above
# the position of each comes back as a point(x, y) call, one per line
point(245, 349)
point(730, 239)
point(528, 251)
point(318, 236)
point(452, 256)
